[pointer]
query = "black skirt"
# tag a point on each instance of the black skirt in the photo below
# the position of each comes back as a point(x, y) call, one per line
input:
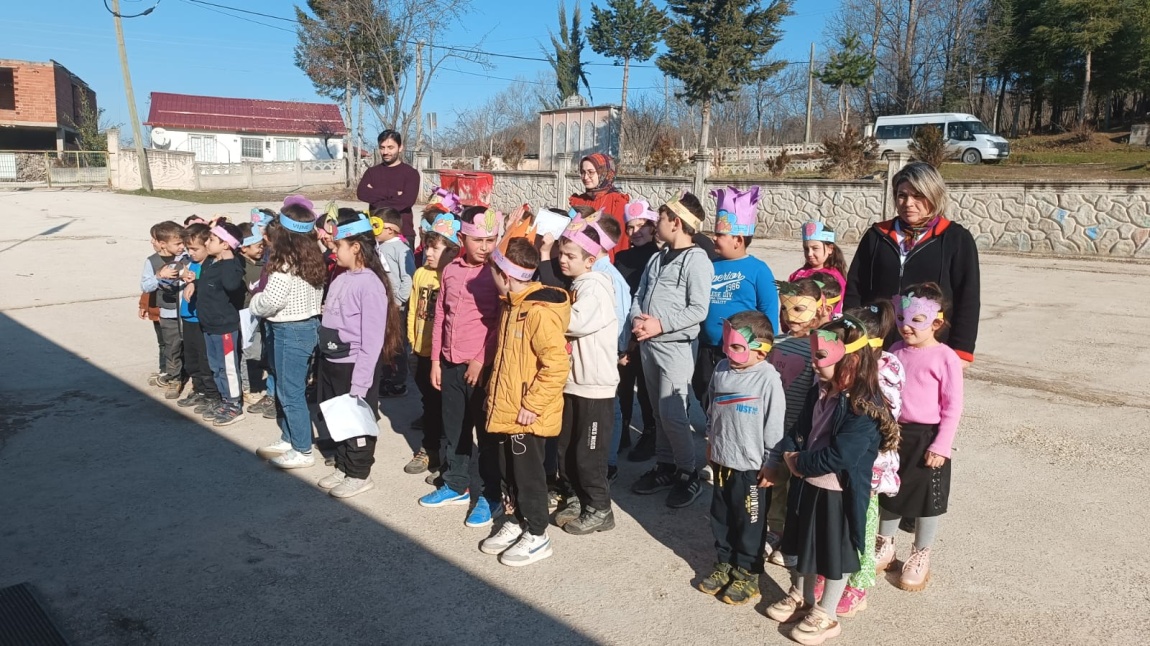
point(924, 491)
point(817, 532)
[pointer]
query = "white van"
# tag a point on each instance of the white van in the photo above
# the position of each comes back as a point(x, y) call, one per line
point(966, 138)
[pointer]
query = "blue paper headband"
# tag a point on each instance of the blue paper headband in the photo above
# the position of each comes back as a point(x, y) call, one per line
point(817, 232)
point(296, 226)
point(355, 227)
point(256, 237)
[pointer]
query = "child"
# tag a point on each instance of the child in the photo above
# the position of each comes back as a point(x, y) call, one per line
point(831, 289)
point(803, 309)
point(671, 303)
point(440, 243)
point(630, 262)
point(830, 455)
point(289, 299)
point(741, 282)
point(589, 395)
point(931, 408)
point(159, 281)
point(822, 254)
point(220, 291)
point(252, 366)
point(523, 401)
point(359, 330)
point(399, 264)
point(205, 395)
point(462, 349)
point(744, 427)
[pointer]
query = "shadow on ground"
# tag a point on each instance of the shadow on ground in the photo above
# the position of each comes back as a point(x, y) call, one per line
point(141, 526)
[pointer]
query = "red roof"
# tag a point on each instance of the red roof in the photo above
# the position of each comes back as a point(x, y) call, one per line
point(188, 112)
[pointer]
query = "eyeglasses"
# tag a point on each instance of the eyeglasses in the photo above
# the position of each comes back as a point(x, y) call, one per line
point(587, 173)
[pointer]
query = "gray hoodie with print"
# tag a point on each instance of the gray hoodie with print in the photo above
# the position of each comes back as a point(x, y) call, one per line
point(745, 415)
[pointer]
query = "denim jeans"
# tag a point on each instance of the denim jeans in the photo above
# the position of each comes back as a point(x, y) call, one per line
point(292, 346)
point(224, 360)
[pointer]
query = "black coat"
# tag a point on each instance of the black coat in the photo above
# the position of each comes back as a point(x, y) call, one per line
point(948, 256)
point(220, 293)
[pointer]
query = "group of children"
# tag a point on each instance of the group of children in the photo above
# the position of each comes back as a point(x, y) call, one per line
point(528, 350)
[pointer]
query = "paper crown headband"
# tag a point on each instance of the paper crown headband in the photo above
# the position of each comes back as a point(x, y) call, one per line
point(483, 225)
point(592, 220)
point(362, 224)
point(299, 200)
point(576, 232)
point(511, 269)
point(223, 234)
point(256, 236)
point(295, 226)
point(817, 232)
point(639, 210)
point(684, 214)
point(446, 199)
point(445, 225)
point(736, 213)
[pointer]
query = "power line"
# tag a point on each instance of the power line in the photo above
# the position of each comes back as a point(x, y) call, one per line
point(145, 12)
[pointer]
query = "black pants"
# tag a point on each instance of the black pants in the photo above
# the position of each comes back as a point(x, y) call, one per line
point(196, 361)
point(630, 376)
point(708, 357)
point(524, 480)
point(739, 518)
point(462, 412)
point(355, 455)
point(584, 445)
point(432, 410)
point(395, 373)
point(160, 344)
point(173, 346)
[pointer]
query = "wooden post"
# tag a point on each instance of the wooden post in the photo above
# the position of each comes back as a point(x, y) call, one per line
point(141, 154)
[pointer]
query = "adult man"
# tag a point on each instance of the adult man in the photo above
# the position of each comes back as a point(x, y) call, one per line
point(391, 184)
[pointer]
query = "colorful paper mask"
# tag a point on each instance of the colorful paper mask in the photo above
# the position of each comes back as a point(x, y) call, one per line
point(483, 225)
point(827, 348)
point(511, 269)
point(799, 309)
point(817, 232)
point(445, 225)
point(639, 210)
point(917, 312)
point(745, 338)
point(575, 233)
point(737, 213)
point(445, 198)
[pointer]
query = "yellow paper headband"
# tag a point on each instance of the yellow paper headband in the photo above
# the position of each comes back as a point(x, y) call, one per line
point(683, 214)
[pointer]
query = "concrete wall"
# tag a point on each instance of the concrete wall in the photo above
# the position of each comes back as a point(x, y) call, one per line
point(229, 147)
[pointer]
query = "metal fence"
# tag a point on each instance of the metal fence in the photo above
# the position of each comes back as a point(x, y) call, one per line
point(54, 168)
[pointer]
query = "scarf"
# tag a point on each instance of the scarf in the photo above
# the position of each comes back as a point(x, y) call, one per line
point(605, 169)
point(911, 235)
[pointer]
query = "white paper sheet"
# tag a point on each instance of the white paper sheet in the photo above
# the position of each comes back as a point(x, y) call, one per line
point(248, 324)
point(551, 222)
point(348, 416)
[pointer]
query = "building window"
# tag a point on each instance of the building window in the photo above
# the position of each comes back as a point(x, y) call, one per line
point(575, 138)
point(7, 89)
point(546, 143)
point(204, 146)
point(252, 148)
point(588, 136)
point(560, 138)
point(286, 149)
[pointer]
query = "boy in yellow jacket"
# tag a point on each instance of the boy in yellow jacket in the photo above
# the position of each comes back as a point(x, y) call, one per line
point(525, 398)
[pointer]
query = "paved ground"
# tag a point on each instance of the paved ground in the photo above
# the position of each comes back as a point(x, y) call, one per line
point(141, 526)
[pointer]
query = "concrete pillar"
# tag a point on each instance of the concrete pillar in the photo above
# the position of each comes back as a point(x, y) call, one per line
point(562, 166)
point(113, 135)
point(702, 169)
point(59, 140)
point(422, 160)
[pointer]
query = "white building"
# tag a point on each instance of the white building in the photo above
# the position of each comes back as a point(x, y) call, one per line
point(578, 129)
point(229, 131)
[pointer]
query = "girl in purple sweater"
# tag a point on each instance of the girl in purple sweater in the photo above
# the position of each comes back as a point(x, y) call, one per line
point(931, 408)
point(359, 332)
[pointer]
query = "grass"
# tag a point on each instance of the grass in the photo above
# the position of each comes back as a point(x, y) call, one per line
point(244, 196)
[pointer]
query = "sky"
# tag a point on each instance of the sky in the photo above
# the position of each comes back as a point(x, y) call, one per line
point(190, 47)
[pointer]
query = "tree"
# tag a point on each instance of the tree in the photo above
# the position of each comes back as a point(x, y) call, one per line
point(1085, 26)
point(567, 59)
point(848, 154)
point(627, 30)
point(929, 145)
point(716, 47)
point(849, 67)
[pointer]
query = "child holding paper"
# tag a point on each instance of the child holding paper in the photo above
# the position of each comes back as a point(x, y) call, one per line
point(359, 331)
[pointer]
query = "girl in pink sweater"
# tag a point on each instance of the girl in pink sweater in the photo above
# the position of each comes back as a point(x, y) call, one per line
point(931, 408)
point(821, 254)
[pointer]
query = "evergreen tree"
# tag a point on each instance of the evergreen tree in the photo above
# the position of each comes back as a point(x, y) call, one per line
point(567, 59)
point(850, 67)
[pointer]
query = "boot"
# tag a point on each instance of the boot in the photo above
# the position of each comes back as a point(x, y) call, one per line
point(916, 571)
point(590, 521)
point(883, 552)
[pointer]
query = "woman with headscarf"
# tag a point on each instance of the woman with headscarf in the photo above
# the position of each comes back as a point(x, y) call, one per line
point(597, 172)
point(920, 245)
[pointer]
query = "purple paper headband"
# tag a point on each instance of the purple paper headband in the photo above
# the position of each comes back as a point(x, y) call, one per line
point(511, 269)
point(223, 234)
point(447, 199)
point(299, 200)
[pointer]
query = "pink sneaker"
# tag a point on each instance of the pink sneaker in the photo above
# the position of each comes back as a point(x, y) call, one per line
point(852, 603)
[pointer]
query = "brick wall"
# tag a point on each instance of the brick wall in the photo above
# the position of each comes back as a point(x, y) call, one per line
point(67, 101)
point(35, 93)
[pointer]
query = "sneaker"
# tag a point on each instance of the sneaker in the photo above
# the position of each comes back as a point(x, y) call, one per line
point(783, 560)
point(258, 407)
point(612, 473)
point(173, 389)
point(293, 459)
point(717, 580)
point(743, 588)
point(686, 489)
point(816, 628)
point(445, 496)
point(164, 380)
point(205, 404)
point(434, 478)
point(774, 539)
point(661, 478)
point(789, 608)
point(274, 449)
point(418, 463)
point(269, 409)
point(229, 415)
point(883, 552)
point(916, 571)
point(590, 521)
point(507, 536)
point(352, 487)
point(482, 513)
point(644, 449)
point(852, 603)
point(707, 475)
point(153, 378)
point(570, 509)
point(192, 400)
point(210, 412)
point(527, 550)
point(554, 499)
point(331, 480)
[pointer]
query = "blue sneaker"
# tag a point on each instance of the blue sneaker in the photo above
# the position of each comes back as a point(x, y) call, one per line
point(445, 496)
point(482, 513)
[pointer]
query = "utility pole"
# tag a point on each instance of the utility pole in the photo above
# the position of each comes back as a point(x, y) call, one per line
point(810, 92)
point(419, 95)
point(141, 154)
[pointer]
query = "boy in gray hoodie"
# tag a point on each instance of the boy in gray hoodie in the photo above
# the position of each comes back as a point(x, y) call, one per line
point(399, 265)
point(667, 311)
point(746, 404)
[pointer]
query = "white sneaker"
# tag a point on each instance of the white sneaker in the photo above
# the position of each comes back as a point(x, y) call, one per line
point(273, 450)
point(706, 474)
point(293, 459)
point(529, 549)
point(332, 480)
point(507, 536)
point(783, 560)
point(352, 487)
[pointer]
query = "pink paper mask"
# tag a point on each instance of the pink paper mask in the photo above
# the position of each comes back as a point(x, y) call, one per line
point(826, 348)
point(917, 312)
point(742, 337)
